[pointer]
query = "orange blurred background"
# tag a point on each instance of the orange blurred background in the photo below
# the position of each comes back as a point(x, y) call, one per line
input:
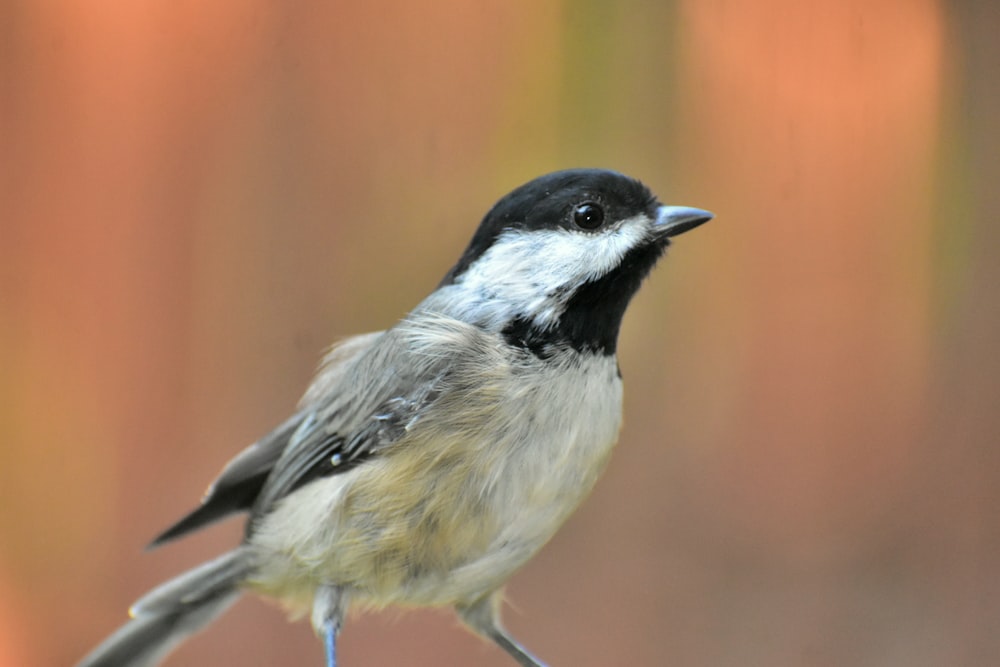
point(196, 198)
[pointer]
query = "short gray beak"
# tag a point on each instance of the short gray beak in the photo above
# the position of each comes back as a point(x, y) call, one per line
point(674, 220)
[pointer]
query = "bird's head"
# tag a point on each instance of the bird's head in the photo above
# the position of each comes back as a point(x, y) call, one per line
point(556, 261)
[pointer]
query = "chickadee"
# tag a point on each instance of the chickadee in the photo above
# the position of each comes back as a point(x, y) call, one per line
point(428, 462)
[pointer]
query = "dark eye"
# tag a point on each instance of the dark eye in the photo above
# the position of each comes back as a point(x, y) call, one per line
point(588, 215)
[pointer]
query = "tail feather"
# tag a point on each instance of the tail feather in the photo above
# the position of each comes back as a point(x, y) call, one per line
point(169, 614)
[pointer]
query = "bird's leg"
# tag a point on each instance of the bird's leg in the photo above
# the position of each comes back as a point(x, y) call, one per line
point(483, 616)
point(327, 617)
point(330, 642)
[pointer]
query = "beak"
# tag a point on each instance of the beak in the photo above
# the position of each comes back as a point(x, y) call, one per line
point(674, 220)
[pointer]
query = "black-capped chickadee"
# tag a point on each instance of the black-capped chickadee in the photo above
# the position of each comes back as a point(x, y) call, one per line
point(428, 462)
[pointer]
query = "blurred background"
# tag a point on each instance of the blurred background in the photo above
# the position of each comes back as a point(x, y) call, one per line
point(197, 198)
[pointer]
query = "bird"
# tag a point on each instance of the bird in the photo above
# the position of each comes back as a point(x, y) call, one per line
point(426, 463)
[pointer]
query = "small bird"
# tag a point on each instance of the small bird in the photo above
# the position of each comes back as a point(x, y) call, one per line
point(428, 462)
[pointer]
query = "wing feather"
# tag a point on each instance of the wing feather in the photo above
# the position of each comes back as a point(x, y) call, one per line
point(238, 486)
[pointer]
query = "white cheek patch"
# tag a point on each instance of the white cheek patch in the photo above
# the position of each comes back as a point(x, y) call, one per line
point(534, 273)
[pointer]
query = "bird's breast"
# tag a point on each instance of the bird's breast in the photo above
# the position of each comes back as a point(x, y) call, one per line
point(476, 488)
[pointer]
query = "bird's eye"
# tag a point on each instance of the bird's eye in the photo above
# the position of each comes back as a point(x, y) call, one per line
point(588, 215)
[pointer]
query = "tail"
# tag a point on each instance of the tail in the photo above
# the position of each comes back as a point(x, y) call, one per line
point(170, 613)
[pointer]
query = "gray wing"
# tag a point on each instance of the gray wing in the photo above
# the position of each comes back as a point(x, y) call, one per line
point(240, 483)
point(379, 399)
point(237, 486)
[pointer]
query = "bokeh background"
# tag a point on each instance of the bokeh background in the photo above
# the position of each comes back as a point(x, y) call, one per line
point(196, 198)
